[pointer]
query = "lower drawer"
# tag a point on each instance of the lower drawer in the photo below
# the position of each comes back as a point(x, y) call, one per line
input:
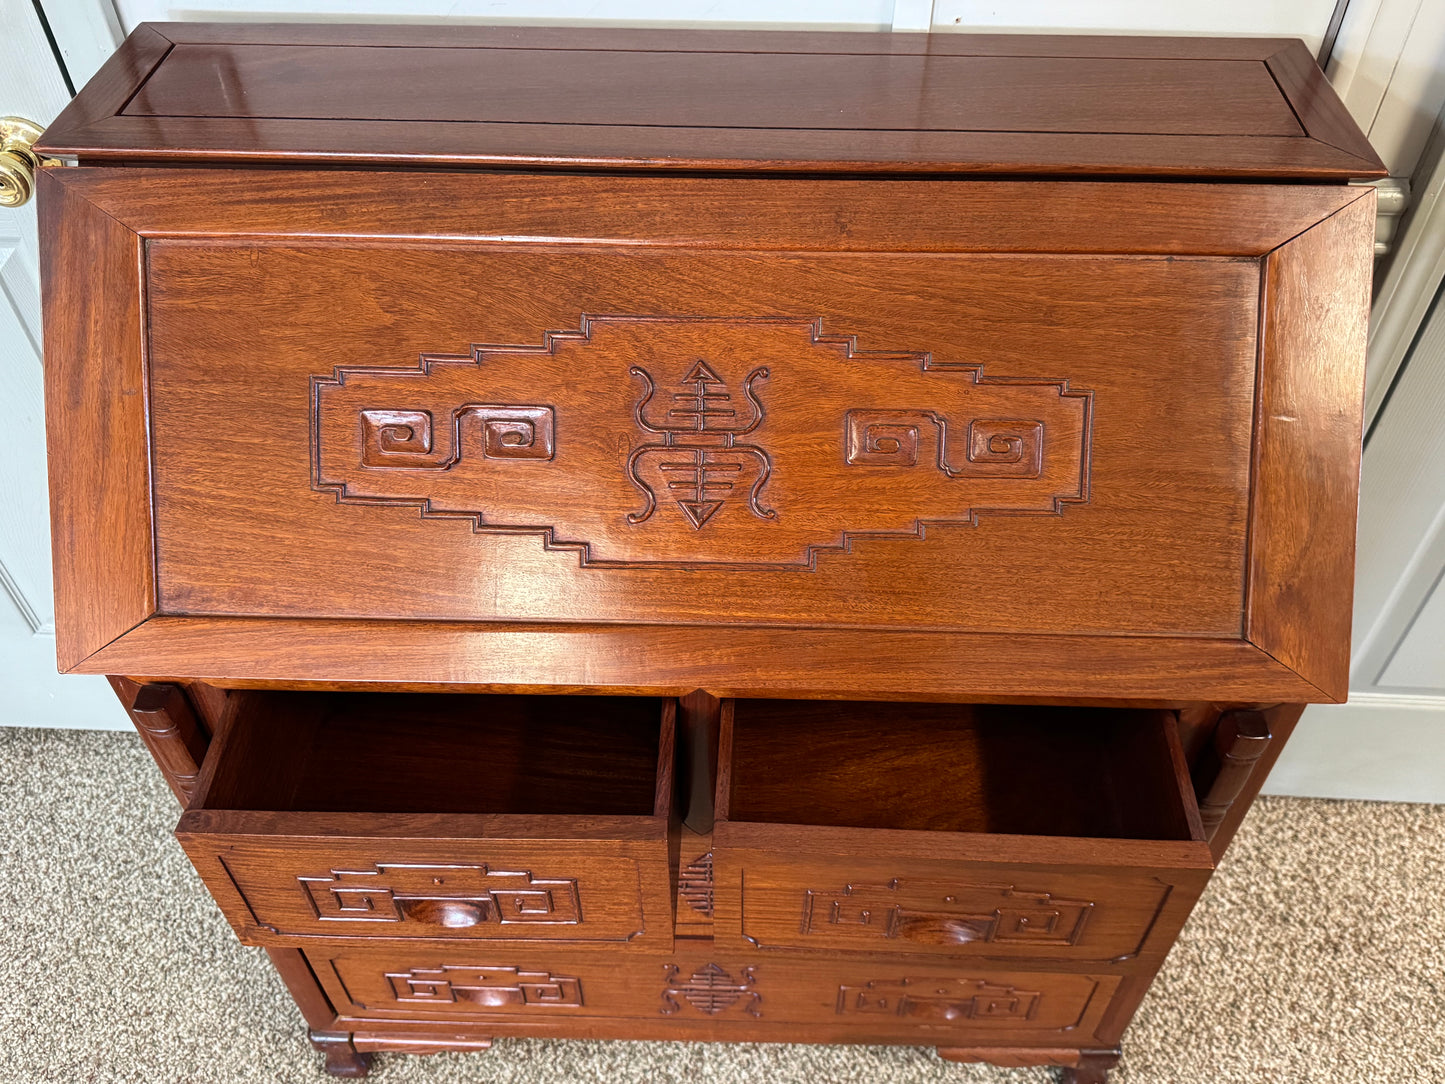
point(701, 994)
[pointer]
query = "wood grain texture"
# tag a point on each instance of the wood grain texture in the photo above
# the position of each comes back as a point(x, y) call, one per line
point(675, 660)
point(772, 214)
point(1307, 455)
point(168, 724)
point(662, 101)
point(95, 406)
point(501, 818)
point(300, 980)
point(695, 993)
point(873, 841)
point(436, 485)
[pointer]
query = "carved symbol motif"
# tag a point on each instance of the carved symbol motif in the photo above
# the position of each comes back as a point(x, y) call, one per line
point(710, 990)
point(993, 447)
point(699, 460)
point(454, 896)
point(495, 988)
point(940, 1001)
point(694, 884)
point(462, 436)
point(936, 912)
point(403, 439)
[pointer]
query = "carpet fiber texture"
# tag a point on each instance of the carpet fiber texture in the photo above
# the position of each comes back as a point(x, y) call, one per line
point(1318, 954)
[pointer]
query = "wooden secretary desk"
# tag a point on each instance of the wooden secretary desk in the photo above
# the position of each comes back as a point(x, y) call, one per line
point(735, 536)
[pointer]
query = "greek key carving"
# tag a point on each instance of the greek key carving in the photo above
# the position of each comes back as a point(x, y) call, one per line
point(940, 1001)
point(497, 989)
point(938, 912)
point(453, 896)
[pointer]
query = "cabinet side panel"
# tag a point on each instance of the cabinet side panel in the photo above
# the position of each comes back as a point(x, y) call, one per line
point(95, 405)
point(1307, 446)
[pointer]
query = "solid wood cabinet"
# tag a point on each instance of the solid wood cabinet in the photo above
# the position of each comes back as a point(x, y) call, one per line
point(755, 536)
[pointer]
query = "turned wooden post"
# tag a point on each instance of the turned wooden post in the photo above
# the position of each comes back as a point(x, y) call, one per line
point(1239, 741)
point(176, 739)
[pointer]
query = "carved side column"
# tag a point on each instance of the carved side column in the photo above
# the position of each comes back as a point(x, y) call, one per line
point(168, 725)
point(1241, 738)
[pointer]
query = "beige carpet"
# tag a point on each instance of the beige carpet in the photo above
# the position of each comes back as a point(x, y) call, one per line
point(1318, 954)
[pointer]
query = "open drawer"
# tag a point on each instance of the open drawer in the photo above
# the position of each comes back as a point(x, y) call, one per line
point(1009, 832)
point(483, 818)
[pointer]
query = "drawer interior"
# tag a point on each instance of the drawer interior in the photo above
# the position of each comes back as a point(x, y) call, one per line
point(956, 768)
point(442, 753)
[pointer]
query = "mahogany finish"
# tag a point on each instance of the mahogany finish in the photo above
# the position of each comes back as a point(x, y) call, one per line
point(707, 535)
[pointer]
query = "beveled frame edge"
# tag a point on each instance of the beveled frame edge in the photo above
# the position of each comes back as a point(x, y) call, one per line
point(133, 637)
point(1177, 218)
point(95, 127)
point(1318, 108)
point(672, 660)
point(106, 94)
point(97, 426)
point(1314, 314)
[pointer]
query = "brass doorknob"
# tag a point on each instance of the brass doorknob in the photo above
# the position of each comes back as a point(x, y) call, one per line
point(18, 163)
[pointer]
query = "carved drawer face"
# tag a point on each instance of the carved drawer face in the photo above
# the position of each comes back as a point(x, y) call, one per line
point(959, 910)
point(502, 891)
point(528, 819)
point(984, 832)
point(731, 995)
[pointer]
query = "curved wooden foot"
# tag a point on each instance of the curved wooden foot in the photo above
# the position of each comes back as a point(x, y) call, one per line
point(1093, 1067)
point(342, 1059)
point(1078, 1066)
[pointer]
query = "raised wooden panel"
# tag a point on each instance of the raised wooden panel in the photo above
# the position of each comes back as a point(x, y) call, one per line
point(653, 100)
point(1045, 455)
point(1116, 560)
point(695, 994)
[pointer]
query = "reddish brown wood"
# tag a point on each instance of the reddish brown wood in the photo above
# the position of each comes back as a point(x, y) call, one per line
point(771, 214)
point(168, 725)
point(1002, 492)
point(300, 980)
point(1240, 739)
point(1281, 720)
point(342, 1057)
point(697, 993)
point(95, 401)
point(1307, 447)
point(673, 660)
point(1093, 1067)
point(505, 818)
point(652, 101)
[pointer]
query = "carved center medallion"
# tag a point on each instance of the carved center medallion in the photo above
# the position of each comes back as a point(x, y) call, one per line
point(657, 441)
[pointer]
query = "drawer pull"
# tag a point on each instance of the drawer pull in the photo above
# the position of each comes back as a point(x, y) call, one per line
point(945, 930)
point(453, 914)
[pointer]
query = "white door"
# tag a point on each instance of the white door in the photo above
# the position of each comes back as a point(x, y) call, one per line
point(33, 85)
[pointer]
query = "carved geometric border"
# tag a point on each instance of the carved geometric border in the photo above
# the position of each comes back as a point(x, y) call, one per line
point(842, 543)
point(906, 949)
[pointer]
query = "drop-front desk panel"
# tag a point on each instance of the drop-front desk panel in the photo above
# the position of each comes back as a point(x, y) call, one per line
point(739, 536)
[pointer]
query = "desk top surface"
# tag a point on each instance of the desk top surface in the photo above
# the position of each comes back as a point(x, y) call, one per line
point(750, 101)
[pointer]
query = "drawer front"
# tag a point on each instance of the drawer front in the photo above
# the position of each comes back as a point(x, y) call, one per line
point(875, 999)
point(961, 909)
point(277, 891)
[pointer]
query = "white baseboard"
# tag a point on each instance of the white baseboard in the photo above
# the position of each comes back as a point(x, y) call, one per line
point(35, 695)
point(1378, 747)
